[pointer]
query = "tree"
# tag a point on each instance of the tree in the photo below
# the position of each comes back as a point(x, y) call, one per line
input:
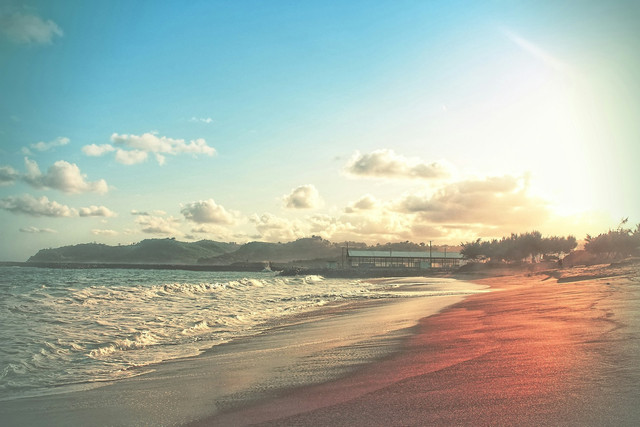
point(516, 247)
point(472, 250)
point(621, 242)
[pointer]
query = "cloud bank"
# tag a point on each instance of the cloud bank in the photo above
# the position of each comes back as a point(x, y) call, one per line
point(494, 201)
point(135, 149)
point(29, 205)
point(42, 206)
point(388, 164)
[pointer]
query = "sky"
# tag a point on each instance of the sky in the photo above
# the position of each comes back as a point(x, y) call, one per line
point(369, 121)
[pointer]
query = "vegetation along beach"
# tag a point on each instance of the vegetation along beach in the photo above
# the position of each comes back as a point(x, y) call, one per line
point(319, 213)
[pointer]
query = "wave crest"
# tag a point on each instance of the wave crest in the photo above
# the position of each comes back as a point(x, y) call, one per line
point(139, 340)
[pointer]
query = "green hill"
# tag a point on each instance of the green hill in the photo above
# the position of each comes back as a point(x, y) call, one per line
point(150, 251)
point(208, 252)
point(301, 249)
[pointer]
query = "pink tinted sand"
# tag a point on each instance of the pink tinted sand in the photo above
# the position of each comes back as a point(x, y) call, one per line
point(535, 352)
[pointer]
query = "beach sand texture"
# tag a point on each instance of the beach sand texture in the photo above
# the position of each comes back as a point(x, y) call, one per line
point(556, 348)
point(305, 349)
point(534, 352)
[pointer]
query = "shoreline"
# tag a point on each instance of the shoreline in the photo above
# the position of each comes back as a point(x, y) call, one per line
point(538, 351)
point(312, 348)
point(555, 347)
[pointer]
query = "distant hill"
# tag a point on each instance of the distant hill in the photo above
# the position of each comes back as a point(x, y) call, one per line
point(299, 250)
point(150, 251)
point(208, 252)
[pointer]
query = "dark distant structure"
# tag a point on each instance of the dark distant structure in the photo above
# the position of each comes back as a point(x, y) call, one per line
point(401, 259)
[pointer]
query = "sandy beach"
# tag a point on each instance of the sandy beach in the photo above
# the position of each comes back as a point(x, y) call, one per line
point(561, 348)
point(305, 349)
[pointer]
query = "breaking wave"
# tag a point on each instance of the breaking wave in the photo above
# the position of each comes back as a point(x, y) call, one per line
point(62, 327)
point(68, 326)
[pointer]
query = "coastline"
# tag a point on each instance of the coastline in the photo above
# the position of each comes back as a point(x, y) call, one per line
point(307, 349)
point(551, 347)
point(283, 269)
point(537, 351)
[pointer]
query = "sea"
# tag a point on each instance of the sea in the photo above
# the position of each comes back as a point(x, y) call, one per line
point(64, 329)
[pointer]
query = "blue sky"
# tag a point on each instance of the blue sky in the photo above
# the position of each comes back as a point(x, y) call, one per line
point(368, 121)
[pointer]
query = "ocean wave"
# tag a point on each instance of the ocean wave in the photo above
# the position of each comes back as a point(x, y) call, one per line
point(233, 319)
point(110, 321)
point(198, 328)
point(247, 283)
point(96, 295)
point(138, 341)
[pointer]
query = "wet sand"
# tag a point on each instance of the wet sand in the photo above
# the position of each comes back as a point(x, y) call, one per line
point(537, 351)
point(312, 348)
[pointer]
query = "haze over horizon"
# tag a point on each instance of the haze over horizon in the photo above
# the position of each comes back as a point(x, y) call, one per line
point(367, 121)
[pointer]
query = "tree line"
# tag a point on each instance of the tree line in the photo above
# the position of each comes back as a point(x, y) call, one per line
point(617, 243)
point(621, 242)
point(518, 247)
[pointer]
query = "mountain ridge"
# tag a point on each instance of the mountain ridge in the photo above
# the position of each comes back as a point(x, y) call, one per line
point(208, 252)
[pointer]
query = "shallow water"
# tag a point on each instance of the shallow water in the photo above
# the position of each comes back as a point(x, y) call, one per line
point(77, 327)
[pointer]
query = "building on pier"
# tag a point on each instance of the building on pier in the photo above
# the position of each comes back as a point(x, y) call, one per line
point(353, 258)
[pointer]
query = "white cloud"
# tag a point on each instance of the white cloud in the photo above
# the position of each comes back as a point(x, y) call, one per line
point(201, 120)
point(42, 206)
point(102, 232)
point(29, 205)
point(366, 202)
point(216, 231)
point(492, 201)
point(97, 211)
point(36, 230)
point(151, 143)
point(45, 146)
point(377, 225)
point(131, 157)
point(275, 229)
point(145, 213)
point(303, 197)
point(63, 176)
point(8, 175)
point(208, 212)
point(388, 164)
point(22, 28)
point(159, 225)
point(373, 225)
point(95, 150)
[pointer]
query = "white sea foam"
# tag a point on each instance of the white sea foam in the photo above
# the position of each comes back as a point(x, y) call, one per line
point(80, 326)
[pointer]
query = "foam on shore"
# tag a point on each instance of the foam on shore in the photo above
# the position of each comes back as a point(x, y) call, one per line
point(307, 349)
